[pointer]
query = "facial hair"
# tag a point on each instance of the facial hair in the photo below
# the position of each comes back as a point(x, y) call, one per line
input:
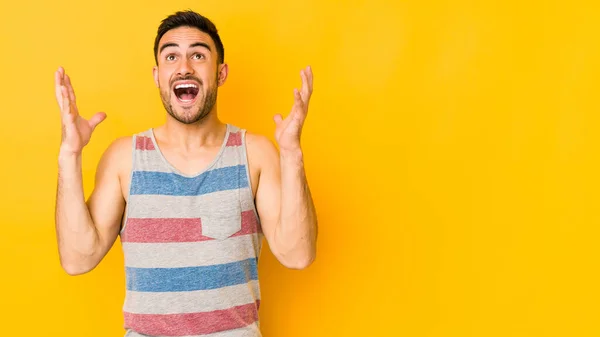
point(206, 105)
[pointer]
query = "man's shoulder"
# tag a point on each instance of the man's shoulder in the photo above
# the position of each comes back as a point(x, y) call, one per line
point(124, 144)
point(120, 145)
point(118, 154)
point(262, 153)
point(259, 143)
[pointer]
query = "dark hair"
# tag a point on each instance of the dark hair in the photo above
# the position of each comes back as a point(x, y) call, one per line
point(190, 19)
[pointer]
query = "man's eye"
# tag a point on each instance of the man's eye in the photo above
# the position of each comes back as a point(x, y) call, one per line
point(198, 56)
point(170, 57)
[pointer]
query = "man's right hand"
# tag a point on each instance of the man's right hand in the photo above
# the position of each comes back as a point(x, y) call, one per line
point(76, 130)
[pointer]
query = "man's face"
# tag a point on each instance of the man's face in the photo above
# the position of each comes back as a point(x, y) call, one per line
point(187, 74)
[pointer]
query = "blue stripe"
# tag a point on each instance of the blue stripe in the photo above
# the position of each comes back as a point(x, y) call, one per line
point(163, 183)
point(191, 278)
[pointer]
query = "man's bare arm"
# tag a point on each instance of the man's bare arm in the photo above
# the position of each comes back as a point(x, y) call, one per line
point(284, 204)
point(283, 198)
point(85, 231)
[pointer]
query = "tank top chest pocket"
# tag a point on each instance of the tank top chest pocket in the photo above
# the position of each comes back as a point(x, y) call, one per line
point(222, 217)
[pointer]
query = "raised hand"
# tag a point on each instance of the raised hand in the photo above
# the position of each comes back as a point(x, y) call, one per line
point(288, 130)
point(76, 130)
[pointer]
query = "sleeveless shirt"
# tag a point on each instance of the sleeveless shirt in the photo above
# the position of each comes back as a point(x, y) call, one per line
point(191, 245)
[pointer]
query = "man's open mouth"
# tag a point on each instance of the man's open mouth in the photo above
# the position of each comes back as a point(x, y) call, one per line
point(186, 92)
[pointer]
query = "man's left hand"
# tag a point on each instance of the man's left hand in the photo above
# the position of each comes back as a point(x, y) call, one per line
point(288, 130)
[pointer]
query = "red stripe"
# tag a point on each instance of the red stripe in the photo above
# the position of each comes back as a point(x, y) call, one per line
point(249, 224)
point(235, 139)
point(163, 230)
point(148, 230)
point(144, 143)
point(192, 323)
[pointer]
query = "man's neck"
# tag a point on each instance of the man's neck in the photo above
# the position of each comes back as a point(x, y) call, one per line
point(210, 131)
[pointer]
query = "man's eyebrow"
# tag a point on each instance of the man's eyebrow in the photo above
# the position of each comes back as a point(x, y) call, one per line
point(173, 44)
point(200, 44)
point(166, 45)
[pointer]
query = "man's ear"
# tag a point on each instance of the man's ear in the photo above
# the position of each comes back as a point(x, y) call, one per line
point(222, 75)
point(155, 74)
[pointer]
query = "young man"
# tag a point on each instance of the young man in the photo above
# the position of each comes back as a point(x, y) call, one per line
point(191, 199)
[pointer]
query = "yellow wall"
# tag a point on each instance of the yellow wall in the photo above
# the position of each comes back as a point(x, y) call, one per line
point(451, 147)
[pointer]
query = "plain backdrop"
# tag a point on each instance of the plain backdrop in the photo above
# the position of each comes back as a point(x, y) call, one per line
point(451, 147)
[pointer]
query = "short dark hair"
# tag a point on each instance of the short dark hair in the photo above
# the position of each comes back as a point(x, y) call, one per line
point(192, 19)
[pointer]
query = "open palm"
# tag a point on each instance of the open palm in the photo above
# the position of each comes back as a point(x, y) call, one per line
point(289, 130)
point(76, 130)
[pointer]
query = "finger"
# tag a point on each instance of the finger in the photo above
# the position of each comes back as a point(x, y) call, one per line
point(97, 119)
point(298, 99)
point(59, 74)
point(277, 118)
point(305, 93)
point(70, 88)
point(299, 108)
point(71, 91)
point(57, 87)
point(57, 78)
point(310, 79)
point(66, 106)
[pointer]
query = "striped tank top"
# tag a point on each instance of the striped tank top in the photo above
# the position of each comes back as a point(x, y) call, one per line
point(191, 245)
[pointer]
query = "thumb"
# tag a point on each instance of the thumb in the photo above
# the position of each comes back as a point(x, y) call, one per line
point(277, 118)
point(97, 119)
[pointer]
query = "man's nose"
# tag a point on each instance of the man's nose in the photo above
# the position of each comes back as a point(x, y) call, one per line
point(184, 68)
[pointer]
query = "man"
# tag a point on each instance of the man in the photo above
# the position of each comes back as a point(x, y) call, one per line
point(191, 199)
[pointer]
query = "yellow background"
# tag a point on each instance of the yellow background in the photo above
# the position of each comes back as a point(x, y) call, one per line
point(451, 147)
